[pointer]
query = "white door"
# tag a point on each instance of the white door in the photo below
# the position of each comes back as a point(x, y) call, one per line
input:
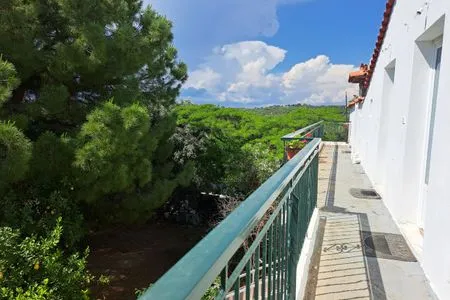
point(430, 131)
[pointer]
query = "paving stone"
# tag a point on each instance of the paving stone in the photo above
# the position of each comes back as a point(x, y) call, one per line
point(343, 271)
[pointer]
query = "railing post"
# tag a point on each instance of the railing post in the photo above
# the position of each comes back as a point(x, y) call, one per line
point(308, 133)
point(293, 222)
point(315, 166)
point(288, 202)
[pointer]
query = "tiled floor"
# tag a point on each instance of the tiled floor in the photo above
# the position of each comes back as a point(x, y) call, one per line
point(360, 253)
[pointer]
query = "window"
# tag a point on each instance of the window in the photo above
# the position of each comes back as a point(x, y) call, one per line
point(435, 86)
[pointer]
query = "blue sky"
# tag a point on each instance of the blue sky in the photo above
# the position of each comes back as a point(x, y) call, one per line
point(263, 52)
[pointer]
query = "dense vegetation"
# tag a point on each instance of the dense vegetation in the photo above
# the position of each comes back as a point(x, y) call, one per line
point(86, 91)
point(243, 145)
point(91, 136)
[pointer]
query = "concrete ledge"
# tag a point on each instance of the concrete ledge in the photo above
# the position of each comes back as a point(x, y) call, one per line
point(305, 256)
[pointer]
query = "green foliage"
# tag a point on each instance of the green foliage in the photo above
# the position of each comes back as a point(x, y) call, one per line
point(80, 151)
point(335, 131)
point(256, 125)
point(88, 133)
point(52, 101)
point(8, 80)
point(15, 153)
point(51, 41)
point(140, 292)
point(274, 110)
point(37, 291)
point(263, 160)
point(296, 144)
point(210, 293)
point(115, 150)
point(35, 267)
point(213, 291)
point(66, 149)
point(236, 150)
point(19, 120)
point(33, 213)
point(15, 148)
point(51, 161)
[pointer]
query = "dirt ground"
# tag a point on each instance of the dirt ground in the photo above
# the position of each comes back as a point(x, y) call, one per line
point(134, 258)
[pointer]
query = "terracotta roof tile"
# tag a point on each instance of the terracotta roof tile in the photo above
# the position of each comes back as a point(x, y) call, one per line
point(380, 39)
point(355, 100)
point(354, 77)
point(359, 75)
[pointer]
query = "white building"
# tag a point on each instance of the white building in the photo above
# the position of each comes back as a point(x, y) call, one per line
point(400, 128)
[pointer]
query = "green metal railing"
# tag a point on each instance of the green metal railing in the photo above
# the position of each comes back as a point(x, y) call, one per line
point(326, 130)
point(335, 131)
point(254, 252)
point(306, 134)
point(316, 130)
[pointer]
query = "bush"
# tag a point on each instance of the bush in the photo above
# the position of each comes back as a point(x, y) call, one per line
point(213, 291)
point(33, 213)
point(264, 160)
point(35, 268)
point(296, 144)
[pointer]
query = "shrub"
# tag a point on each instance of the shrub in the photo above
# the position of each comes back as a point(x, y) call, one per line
point(35, 267)
point(213, 291)
point(264, 160)
point(296, 144)
point(33, 213)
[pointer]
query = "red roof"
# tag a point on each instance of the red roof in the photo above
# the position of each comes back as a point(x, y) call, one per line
point(379, 43)
point(360, 75)
point(355, 100)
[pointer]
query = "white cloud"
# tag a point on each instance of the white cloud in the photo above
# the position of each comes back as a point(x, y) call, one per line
point(205, 78)
point(199, 25)
point(251, 17)
point(247, 77)
point(305, 71)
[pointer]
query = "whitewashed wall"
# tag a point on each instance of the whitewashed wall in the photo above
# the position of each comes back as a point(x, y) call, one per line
point(388, 133)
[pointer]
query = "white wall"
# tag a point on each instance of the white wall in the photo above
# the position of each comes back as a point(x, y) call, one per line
point(389, 131)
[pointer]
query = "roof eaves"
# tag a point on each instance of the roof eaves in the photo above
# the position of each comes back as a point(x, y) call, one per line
point(355, 101)
point(380, 39)
point(359, 75)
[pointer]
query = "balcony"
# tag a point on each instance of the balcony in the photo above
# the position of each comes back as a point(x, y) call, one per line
point(315, 230)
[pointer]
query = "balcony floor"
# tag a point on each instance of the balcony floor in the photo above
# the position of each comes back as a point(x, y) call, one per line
point(360, 252)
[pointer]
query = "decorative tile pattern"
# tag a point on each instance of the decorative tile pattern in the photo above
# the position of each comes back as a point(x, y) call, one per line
point(342, 271)
point(387, 246)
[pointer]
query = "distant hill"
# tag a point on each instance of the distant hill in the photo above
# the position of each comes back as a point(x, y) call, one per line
point(275, 110)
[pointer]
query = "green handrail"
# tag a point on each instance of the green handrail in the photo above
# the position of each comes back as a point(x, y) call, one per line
point(282, 206)
point(336, 131)
point(303, 131)
point(306, 134)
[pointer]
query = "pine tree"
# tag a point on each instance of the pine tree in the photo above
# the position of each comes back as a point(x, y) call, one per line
point(96, 81)
point(15, 148)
